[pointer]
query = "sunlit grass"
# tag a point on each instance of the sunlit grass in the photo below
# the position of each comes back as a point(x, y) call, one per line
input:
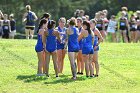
point(119, 70)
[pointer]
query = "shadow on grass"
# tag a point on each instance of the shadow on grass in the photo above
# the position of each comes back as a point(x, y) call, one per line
point(65, 80)
point(30, 78)
point(51, 79)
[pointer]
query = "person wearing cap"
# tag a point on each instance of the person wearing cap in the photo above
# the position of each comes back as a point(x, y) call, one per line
point(13, 26)
point(30, 18)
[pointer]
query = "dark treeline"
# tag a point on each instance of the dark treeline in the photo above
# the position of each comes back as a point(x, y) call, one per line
point(65, 8)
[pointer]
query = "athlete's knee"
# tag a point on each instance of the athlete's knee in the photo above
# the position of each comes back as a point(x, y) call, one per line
point(27, 36)
point(32, 36)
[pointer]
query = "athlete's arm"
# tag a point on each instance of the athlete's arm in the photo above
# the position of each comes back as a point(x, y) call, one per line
point(116, 27)
point(103, 25)
point(1, 22)
point(35, 16)
point(57, 34)
point(97, 32)
point(127, 23)
point(119, 20)
point(24, 17)
point(92, 34)
point(66, 41)
point(81, 35)
point(9, 25)
point(44, 39)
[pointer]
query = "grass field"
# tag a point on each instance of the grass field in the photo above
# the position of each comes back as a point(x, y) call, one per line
point(119, 72)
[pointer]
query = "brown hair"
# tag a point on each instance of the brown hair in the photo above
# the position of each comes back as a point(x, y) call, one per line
point(51, 24)
point(88, 26)
point(72, 22)
point(93, 21)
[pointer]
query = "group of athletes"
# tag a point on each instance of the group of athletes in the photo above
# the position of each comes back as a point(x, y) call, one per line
point(79, 35)
point(7, 26)
point(128, 28)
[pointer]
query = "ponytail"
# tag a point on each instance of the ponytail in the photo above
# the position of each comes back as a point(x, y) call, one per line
point(88, 26)
point(43, 21)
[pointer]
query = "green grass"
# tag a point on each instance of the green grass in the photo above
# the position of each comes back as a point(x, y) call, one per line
point(119, 70)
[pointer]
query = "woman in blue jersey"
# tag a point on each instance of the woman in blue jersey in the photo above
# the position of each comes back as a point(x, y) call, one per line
point(50, 45)
point(39, 46)
point(73, 45)
point(87, 49)
point(80, 63)
point(97, 39)
point(60, 44)
point(30, 18)
point(45, 16)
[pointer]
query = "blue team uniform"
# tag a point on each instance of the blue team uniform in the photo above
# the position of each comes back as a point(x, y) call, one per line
point(87, 45)
point(60, 45)
point(73, 44)
point(95, 42)
point(51, 44)
point(30, 19)
point(39, 45)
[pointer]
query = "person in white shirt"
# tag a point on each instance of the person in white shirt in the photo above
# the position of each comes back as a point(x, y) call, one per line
point(112, 27)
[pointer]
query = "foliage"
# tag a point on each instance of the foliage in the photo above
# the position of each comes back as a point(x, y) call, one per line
point(65, 8)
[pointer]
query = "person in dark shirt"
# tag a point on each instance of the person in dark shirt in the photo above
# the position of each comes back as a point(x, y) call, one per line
point(138, 26)
point(125, 9)
point(6, 27)
point(1, 23)
point(13, 26)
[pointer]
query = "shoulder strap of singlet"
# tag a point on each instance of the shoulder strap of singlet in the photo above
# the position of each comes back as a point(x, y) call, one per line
point(80, 29)
point(59, 29)
point(64, 28)
point(93, 29)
